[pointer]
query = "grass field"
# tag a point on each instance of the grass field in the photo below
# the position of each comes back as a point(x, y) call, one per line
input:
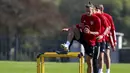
point(30, 67)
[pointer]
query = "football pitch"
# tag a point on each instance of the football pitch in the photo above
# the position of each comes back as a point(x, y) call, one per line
point(52, 67)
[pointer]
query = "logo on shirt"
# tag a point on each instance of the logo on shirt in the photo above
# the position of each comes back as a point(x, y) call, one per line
point(91, 22)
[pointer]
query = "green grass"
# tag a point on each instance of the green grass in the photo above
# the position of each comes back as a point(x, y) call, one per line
point(30, 67)
point(17, 67)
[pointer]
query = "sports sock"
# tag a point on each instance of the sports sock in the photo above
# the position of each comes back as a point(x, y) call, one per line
point(108, 71)
point(67, 43)
point(100, 71)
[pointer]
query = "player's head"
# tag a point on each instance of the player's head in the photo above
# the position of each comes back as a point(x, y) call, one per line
point(89, 9)
point(99, 8)
point(94, 9)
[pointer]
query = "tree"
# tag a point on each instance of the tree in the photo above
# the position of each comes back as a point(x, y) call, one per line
point(30, 21)
point(119, 9)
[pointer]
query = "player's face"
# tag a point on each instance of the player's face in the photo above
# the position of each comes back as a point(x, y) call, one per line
point(94, 11)
point(89, 11)
point(98, 10)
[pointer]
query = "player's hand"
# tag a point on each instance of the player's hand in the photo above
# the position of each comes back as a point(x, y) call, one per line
point(115, 43)
point(100, 37)
point(86, 30)
point(114, 48)
point(65, 29)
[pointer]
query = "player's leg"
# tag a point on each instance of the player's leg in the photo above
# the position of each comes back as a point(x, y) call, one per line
point(108, 58)
point(95, 57)
point(72, 33)
point(89, 64)
point(89, 56)
point(101, 58)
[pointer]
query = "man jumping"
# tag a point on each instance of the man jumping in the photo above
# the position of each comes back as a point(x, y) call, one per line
point(90, 27)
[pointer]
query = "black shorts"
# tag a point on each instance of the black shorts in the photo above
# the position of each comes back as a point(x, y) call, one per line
point(92, 51)
point(80, 40)
point(102, 46)
point(89, 50)
point(108, 45)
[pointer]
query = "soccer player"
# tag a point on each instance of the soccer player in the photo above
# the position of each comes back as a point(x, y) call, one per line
point(104, 31)
point(91, 30)
point(90, 36)
point(108, 40)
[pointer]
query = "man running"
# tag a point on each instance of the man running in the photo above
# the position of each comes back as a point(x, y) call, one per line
point(109, 39)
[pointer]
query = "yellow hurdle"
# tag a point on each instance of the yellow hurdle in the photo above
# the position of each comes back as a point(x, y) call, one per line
point(38, 65)
point(40, 60)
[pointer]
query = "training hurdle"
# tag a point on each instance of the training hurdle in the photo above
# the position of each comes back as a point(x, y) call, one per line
point(40, 60)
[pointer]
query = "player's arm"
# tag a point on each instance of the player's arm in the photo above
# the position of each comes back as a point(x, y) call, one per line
point(86, 30)
point(106, 25)
point(94, 33)
point(114, 36)
point(113, 30)
point(66, 29)
point(83, 18)
point(107, 30)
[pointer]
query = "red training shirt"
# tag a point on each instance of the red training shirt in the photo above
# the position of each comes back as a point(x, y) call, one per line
point(109, 17)
point(104, 24)
point(94, 24)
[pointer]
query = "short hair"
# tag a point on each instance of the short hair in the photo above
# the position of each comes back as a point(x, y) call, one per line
point(100, 6)
point(89, 5)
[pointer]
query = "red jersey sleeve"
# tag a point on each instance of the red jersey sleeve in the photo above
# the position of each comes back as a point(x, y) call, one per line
point(105, 25)
point(105, 22)
point(112, 23)
point(113, 29)
point(97, 24)
point(83, 18)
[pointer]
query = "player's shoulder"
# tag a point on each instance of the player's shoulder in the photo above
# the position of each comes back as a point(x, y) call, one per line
point(106, 14)
point(95, 16)
point(100, 15)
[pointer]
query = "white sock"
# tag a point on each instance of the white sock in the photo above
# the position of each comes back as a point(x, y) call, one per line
point(67, 43)
point(108, 71)
point(100, 71)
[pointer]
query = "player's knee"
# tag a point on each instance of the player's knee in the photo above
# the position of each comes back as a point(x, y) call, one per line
point(89, 62)
point(90, 65)
point(71, 32)
point(108, 54)
point(108, 57)
point(73, 27)
point(101, 57)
